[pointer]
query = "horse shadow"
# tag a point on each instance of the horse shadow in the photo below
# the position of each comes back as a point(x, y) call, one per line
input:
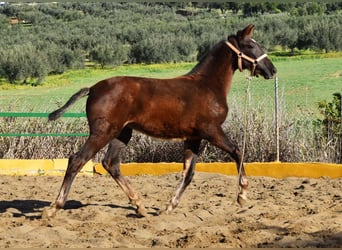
point(27, 208)
point(32, 209)
point(320, 239)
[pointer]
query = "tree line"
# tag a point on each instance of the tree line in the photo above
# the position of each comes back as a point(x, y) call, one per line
point(49, 38)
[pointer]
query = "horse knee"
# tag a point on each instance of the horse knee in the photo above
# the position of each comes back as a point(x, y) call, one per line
point(111, 159)
point(112, 166)
point(106, 163)
point(188, 154)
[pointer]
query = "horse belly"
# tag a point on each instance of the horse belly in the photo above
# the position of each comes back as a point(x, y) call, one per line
point(170, 130)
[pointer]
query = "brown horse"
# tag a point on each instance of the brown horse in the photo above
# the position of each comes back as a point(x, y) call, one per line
point(191, 107)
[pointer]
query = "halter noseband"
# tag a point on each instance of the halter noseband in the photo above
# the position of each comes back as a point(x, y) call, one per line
point(242, 55)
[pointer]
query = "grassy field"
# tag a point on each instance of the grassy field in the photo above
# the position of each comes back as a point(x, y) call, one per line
point(302, 83)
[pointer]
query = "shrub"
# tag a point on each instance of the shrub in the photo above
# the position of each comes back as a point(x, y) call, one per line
point(113, 53)
point(164, 48)
point(332, 123)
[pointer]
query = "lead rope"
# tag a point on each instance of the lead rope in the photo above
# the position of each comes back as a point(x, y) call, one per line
point(245, 121)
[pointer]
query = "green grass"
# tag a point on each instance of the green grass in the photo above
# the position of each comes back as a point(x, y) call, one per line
point(303, 82)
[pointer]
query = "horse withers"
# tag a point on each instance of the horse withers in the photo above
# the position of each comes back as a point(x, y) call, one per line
point(191, 107)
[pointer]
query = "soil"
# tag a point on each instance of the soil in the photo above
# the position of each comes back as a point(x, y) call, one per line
point(290, 212)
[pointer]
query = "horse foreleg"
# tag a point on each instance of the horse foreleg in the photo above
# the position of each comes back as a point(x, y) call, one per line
point(220, 140)
point(190, 157)
point(111, 163)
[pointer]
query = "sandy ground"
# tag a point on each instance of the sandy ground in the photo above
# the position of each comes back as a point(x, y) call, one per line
point(291, 212)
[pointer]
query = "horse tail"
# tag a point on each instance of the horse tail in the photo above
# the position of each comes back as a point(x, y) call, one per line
point(57, 113)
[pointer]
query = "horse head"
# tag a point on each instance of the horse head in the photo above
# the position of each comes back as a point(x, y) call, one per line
point(250, 55)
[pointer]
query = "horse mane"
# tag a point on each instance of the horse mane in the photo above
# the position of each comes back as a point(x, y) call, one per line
point(207, 58)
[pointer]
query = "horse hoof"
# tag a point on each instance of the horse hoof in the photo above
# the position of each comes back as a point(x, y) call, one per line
point(169, 209)
point(141, 211)
point(242, 200)
point(48, 213)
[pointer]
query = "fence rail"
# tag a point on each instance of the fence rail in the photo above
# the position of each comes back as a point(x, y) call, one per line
point(41, 115)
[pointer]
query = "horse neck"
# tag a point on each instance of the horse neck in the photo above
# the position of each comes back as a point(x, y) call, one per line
point(216, 68)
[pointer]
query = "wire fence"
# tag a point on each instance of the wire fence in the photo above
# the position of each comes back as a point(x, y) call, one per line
point(275, 133)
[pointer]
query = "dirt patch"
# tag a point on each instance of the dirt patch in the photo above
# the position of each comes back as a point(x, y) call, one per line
point(290, 212)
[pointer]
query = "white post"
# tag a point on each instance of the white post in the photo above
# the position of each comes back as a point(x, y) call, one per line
point(276, 117)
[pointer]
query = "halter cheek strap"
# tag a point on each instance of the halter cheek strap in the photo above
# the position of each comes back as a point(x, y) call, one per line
point(242, 55)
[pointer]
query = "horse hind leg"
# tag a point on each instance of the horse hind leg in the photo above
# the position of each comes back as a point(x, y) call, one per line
point(111, 163)
point(191, 149)
point(93, 144)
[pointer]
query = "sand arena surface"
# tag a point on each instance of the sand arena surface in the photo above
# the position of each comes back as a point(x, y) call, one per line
point(290, 212)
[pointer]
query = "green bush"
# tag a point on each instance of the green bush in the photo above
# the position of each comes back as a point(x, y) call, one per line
point(164, 48)
point(113, 53)
point(332, 123)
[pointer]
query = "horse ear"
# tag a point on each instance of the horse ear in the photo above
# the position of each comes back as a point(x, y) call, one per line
point(246, 32)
